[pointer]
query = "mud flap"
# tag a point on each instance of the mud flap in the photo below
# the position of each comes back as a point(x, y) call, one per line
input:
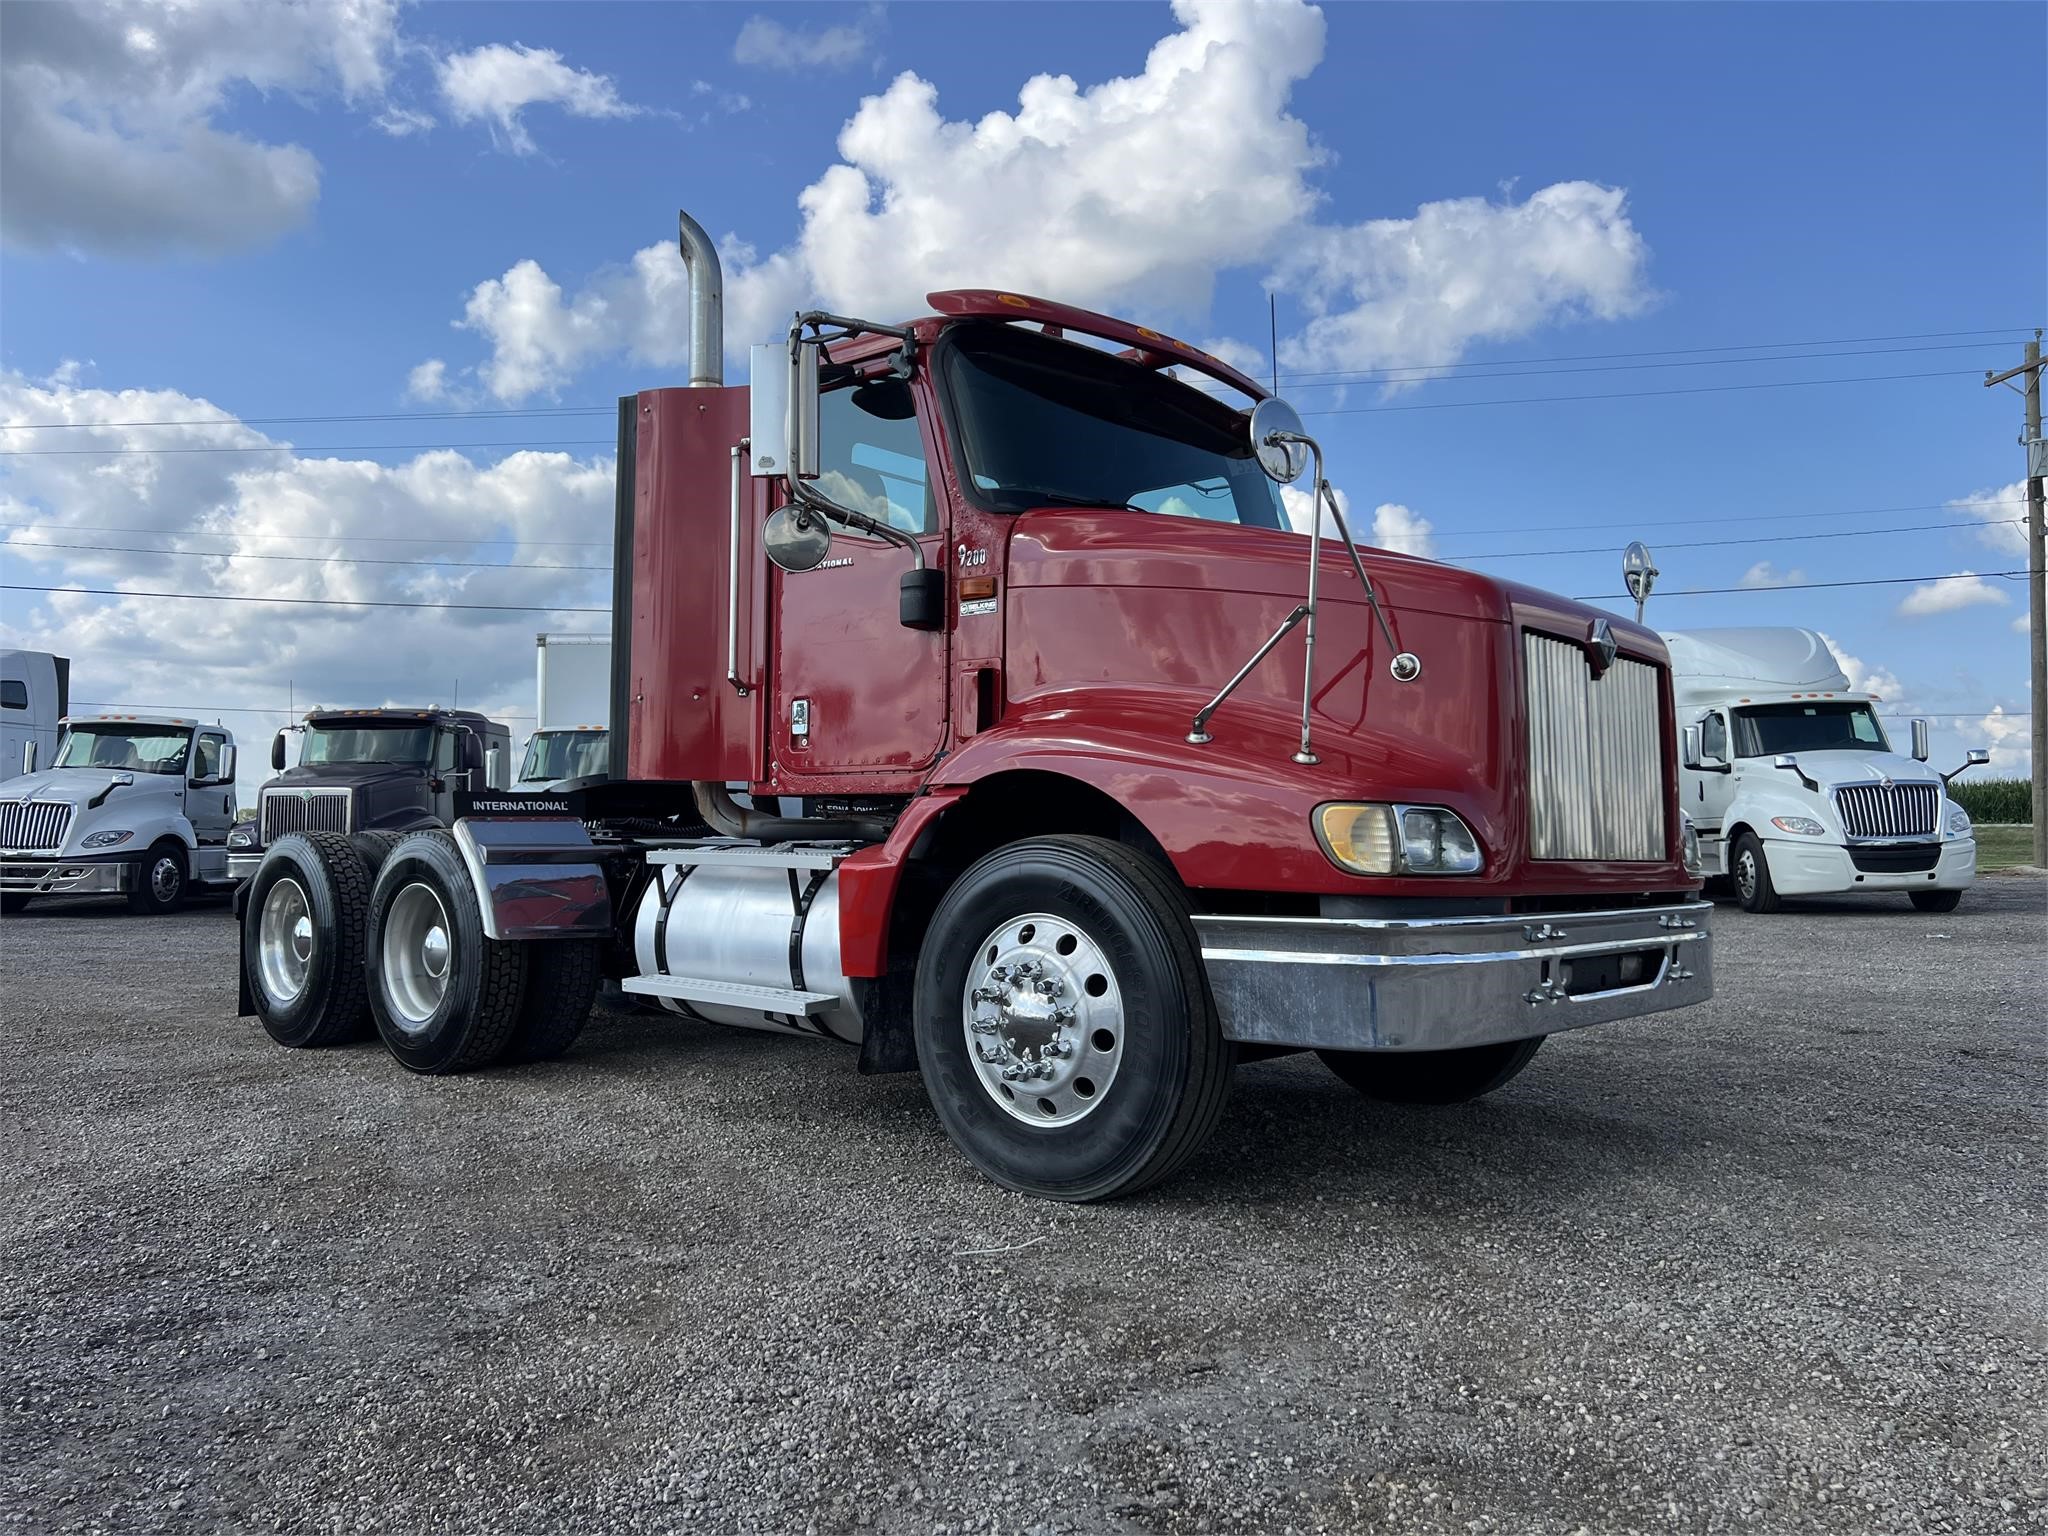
point(245, 1005)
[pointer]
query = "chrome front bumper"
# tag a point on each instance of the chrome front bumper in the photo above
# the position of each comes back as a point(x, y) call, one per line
point(242, 864)
point(1439, 984)
point(60, 877)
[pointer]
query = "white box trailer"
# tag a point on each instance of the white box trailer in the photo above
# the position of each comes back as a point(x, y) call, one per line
point(1793, 784)
point(573, 697)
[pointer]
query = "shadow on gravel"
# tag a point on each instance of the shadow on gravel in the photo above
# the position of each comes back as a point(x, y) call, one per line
point(44, 908)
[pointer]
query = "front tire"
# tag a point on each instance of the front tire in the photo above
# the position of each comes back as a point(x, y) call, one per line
point(1065, 1030)
point(302, 940)
point(1751, 873)
point(1432, 1077)
point(160, 879)
point(1936, 901)
point(445, 997)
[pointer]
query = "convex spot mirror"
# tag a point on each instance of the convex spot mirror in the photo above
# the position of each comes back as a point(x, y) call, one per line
point(796, 538)
point(1285, 461)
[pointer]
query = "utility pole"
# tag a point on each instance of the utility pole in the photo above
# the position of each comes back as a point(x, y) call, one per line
point(2037, 588)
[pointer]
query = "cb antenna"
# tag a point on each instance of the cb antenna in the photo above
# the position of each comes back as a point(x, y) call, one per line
point(1273, 334)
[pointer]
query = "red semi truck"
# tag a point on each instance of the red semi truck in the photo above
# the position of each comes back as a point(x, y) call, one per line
point(976, 706)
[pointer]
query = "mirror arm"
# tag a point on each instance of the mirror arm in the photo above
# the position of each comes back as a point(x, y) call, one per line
point(810, 501)
point(1324, 493)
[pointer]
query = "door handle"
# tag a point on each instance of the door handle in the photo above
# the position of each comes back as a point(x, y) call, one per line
point(732, 576)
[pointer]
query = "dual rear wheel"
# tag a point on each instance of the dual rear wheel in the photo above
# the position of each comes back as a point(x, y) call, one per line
point(381, 931)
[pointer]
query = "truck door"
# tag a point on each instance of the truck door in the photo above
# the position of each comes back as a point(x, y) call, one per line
point(855, 691)
point(1707, 791)
point(210, 799)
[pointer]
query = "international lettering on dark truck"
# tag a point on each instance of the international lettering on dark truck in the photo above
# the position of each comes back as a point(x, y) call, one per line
point(1029, 748)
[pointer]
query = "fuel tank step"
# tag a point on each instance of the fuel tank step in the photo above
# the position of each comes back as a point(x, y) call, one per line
point(753, 855)
point(730, 994)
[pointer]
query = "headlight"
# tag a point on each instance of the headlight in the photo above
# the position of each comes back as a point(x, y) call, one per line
point(1397, 839)
point(1804, 826)
point(1689, 845)
point(1958, 821)
point(104, 839)
point(243, 836)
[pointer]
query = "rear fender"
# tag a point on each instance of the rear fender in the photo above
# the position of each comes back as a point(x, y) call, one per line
point(535, 877)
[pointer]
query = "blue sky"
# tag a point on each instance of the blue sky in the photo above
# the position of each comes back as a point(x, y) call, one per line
point(1777, 174)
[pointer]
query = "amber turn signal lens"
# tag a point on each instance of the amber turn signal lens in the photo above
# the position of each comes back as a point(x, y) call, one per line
point(972, 587)
point(1359, 837)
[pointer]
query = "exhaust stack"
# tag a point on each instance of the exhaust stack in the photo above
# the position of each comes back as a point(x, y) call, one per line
point(707, 304)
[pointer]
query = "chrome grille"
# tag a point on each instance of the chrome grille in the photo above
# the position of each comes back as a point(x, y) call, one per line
point(303, 810)
point(1596, 768)
point(1889, 810)
point(33, 825)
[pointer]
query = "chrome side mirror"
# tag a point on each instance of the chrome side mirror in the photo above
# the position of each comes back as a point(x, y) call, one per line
point(493, 762)
point(803, 410)
point(28, 757)
point(1283, 460)
point(227, 765)
point(1920, 748)
point(797, 538)
point(768, 380)
point(1690, 746)
point(1976, 757)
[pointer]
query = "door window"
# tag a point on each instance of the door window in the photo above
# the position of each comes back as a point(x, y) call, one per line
point(1714, 738)
point(871, 455)
point(444, 752)
point(208, 766)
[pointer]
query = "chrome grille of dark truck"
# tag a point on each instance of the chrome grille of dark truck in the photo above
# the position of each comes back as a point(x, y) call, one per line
point(29, 825)
point(1596, 769)
point(300, 810)
point(1889, 810)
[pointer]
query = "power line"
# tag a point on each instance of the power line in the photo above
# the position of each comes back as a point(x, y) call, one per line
point(312, 448)
point(1746, 517)
point(1798, 586)
point(1633, 394)
point(1773, 538)
point(339, 538)
point(237, 554)
point(305, 602)
point(1424, 371)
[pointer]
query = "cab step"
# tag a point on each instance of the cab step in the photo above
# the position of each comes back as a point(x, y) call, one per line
point(729, 994)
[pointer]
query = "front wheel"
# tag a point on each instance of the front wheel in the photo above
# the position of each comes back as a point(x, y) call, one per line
point(159, 879)
point(1065, 1030)
point(1936, 901)
point(1752, 875)
point(1432, 1077)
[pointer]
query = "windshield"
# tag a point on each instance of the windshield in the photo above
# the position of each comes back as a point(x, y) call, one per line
point(1765, 730)
point(566, 755)
point(1039, 421)
point(137, 748)
point(409, 745)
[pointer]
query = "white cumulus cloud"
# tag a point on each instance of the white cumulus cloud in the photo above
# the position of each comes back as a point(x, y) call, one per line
point(428, 381)
point(2000, 516)
point(1764, 574)
point(1946, 594)
point(449, 529)
point(1866, 679)
point(494, 84)
point(2009, 739)
point(1395, 527)
point(777, 45)
point(108, 138)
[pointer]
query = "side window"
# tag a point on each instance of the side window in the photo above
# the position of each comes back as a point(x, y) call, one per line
point(208, 766)
point(871, 455)
point(1714, 737)
point(444, 751)
point(13, 694)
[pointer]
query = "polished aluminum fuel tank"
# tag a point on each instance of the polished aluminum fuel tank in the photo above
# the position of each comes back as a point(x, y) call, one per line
point(770, 925)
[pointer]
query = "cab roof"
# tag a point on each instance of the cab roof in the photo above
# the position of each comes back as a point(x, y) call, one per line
point(400, 716)
point(178, 722)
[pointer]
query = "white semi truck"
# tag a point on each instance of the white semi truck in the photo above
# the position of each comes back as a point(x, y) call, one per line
point(137, 805)
point(35, 693)
point(572, 739)
point(1793, 785)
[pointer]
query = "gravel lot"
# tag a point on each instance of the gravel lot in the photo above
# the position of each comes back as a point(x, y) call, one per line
point(1774, 1265)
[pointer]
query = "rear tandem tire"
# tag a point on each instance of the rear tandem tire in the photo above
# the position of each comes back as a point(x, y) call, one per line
point(1088, 923)
point(305, 976)
point(1432, 1077)
point(562, 978)
point(445, 997)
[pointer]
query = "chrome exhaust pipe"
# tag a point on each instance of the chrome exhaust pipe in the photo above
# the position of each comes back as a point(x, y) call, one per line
point(707, 304)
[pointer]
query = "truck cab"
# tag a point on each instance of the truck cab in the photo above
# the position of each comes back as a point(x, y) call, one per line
point(572, 710)
point(372, 770)
point(35, 694)
point(1794, 785)
point(136, 805)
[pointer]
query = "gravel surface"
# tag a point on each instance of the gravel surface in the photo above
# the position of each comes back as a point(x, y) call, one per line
point(1773, 1265)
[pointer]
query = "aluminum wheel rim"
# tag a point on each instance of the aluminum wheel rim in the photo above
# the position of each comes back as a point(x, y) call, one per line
point(163, 878)
point(284, 941)
point(418, 953)
point(1044, 1020)
point(1745, 875)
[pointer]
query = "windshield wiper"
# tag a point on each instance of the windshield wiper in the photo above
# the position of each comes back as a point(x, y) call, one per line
point(1042, 497)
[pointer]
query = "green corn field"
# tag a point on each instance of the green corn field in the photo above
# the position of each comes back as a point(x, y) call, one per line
point(2007, 800)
